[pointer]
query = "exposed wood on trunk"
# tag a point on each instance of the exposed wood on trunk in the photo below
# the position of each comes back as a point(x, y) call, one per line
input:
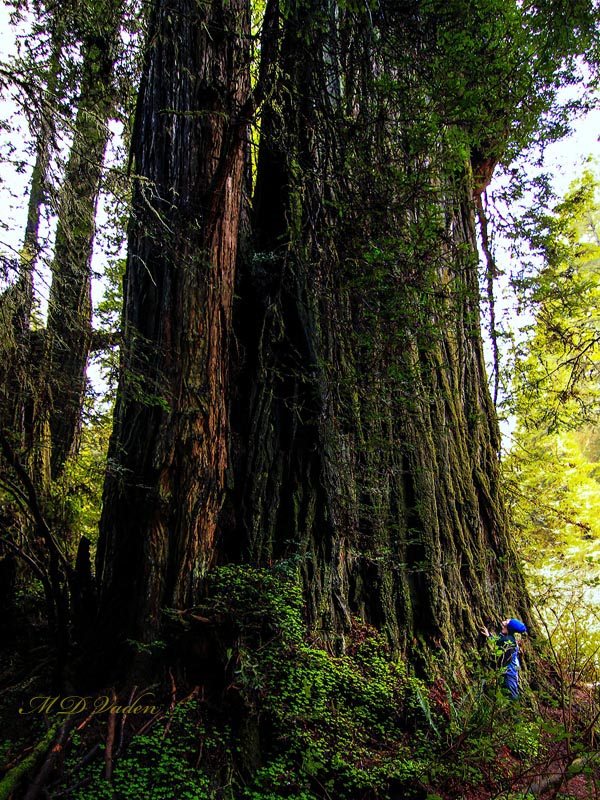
point(169, 450)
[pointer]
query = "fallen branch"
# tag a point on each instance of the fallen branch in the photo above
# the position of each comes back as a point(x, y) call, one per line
point(123, 721)
point(13, 779)
point(51, 758)
point(147, 725)
point(555, 780)
point(80, 764)
point(172, 706)
point(110, 740)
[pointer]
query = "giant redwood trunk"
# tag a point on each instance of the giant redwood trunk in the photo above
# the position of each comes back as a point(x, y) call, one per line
point(366, 439)
point(357, 431)
point(168, 452)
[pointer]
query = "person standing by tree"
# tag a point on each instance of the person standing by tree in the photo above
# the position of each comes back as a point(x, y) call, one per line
point(506, 642)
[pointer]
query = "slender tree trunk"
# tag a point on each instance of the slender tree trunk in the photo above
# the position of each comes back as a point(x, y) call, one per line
point(19, 386)
point(168, 453)
point(69, 327)
point(17, 381)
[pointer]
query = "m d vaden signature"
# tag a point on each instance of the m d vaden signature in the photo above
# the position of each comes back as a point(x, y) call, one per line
point(78, 704)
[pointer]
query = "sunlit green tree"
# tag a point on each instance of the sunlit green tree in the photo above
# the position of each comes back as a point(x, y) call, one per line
point(554, 468)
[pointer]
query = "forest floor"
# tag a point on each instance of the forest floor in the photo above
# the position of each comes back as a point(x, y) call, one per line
point(484, 749)
point(561, 772)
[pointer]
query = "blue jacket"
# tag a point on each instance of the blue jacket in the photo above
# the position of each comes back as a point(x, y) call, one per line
point(510, 662)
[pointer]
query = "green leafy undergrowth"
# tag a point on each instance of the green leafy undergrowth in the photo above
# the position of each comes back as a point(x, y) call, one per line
point(161, 764)
point(360, 724)
point(295, 721)
point(333, 725)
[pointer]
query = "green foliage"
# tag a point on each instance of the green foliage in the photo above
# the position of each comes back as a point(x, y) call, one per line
point(333, 726)
point(557, 372)
point(553, 469)
point(324, 725)
point(76, 498)
point(524, 739)
point(157, 765)
point(336, 721)
point(342, 726)
point(555, 499)
point(571, 623)
point(305, 724)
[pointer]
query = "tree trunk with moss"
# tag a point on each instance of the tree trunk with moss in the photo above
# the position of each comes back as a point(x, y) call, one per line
point(357, 436)
point(366, 441)
point(17, 384)
point(69, 329)
point(169, 449)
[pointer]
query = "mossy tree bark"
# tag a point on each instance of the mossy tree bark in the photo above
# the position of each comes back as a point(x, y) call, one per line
point(366, 441)
point(358, 437)
point(168, 452)
point(69, 328)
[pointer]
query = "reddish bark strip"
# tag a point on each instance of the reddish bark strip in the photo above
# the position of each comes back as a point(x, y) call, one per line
point(168, 452)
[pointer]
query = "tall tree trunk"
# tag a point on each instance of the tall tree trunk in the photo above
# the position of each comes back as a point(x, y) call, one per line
point(363, 438)
point(69, 327)
point(168, 453)
point(366, 438)
point(18, 382)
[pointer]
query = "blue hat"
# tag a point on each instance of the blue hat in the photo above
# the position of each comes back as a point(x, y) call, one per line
point(516, 626)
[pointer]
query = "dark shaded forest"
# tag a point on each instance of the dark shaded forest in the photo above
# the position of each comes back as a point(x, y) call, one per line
point(260, 534)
